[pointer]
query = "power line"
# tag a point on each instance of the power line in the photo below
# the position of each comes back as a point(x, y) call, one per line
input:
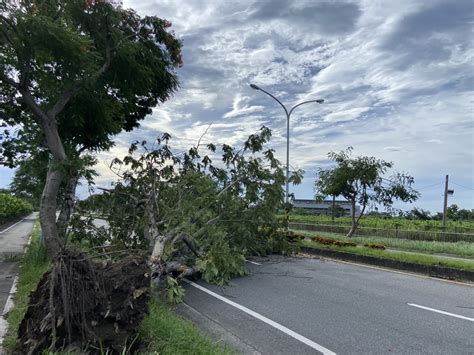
point(469, 188)
point(426, 187)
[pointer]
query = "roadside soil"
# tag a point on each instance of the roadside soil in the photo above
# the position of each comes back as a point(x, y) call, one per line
point(83, 304)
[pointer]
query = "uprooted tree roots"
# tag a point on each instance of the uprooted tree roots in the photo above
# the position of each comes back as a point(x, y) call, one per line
point(87, 304)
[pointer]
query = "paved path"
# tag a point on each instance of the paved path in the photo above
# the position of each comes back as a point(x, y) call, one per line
point(340, 307)
point(12, 242)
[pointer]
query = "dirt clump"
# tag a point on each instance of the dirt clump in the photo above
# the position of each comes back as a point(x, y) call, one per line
point(87, 304)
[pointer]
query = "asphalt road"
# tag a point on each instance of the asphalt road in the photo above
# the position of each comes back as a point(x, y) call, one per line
point(343, 308)
point(12, 241)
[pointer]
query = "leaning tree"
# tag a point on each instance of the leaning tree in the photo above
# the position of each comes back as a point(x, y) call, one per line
point(362, 180)
point(81, 71)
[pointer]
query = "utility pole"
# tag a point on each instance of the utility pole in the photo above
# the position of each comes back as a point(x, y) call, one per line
point(445, 206)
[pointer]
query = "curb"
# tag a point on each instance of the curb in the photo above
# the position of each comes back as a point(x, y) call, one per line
point(9, 303)
point(438, 271)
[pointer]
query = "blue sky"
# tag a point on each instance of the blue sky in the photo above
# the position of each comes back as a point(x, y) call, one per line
point(396, 76)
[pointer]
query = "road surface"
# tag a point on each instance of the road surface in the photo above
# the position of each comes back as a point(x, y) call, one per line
point(12, 242)
point(311, 306)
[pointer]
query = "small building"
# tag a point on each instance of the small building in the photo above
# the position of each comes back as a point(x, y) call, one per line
point(325, 207)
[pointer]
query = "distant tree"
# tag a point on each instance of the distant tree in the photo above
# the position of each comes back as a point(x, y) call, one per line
point(418, 213)
point(452, 212)
point(384, 215)
point(80, 72)
point(361, 180)
point(458, 214)
point(465, 215)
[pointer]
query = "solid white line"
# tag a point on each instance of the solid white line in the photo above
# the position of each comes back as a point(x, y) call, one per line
point(13, 225)
point(3, 331)
point(9, 302)
point(264, 319)
point(442, 312)
point(6, 309)
point(252, 262)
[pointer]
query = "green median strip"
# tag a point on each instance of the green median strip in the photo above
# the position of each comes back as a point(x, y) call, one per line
point(395, 255)
point(462, 249)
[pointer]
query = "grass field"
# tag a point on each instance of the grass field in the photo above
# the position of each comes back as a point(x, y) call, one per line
point(389, 223)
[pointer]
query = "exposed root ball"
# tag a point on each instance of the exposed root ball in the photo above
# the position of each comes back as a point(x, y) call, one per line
point(87, 304)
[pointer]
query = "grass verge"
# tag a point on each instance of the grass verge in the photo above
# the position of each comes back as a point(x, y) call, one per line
point(167, 333)
point(32, 266)
point(392, 255)
point(462, 249)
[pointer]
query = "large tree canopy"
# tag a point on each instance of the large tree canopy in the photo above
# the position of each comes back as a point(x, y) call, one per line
point(362, 180)
point(80, 72)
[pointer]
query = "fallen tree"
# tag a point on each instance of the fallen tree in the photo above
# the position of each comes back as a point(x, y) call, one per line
point(183, 214)
point(191, 214)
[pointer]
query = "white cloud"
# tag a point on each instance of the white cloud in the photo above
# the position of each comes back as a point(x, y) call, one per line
point(397, 80)
point(240, 106)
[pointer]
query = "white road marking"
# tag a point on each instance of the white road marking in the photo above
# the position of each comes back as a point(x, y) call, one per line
point(3, 331)
point(13, 225)
point(9, 302)
point(442, 312)
point(252, 262)
point(6, 309)
point(264, 319)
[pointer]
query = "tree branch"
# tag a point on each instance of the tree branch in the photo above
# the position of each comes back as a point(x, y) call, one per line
point(68, 94)
point(30, 102)
point(7, 21)
point(9, 81)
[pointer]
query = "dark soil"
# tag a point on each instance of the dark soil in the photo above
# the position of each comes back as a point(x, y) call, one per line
point(86, 304)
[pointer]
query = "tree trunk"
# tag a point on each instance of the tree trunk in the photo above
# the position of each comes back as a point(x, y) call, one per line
point(48, 203)
point(354, 221)
point(68, 204)
point(48, 210)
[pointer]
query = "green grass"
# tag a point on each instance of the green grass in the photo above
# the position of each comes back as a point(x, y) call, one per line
point(399, 256)
point(462, 249)
point(32, 266)
point(167, 333)
point(387, 223)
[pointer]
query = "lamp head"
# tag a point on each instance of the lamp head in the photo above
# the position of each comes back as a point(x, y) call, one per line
point(255, 87)
point(320, 101)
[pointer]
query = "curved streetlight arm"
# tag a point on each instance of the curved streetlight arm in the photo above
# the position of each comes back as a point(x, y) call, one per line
point(319, 101)
point(266, 92)
point(255, 87)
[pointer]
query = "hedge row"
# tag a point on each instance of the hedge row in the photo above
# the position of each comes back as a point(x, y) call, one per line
point(12, 207)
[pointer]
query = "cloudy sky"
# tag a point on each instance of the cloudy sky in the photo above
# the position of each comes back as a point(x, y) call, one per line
point(396, 77)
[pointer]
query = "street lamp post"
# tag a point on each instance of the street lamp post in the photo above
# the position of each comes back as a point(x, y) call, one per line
point(288, 115)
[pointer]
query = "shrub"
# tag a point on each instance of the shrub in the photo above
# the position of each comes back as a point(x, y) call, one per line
point(375, 246)
point(329, 241)
point(12, 207)
point(293, 236)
